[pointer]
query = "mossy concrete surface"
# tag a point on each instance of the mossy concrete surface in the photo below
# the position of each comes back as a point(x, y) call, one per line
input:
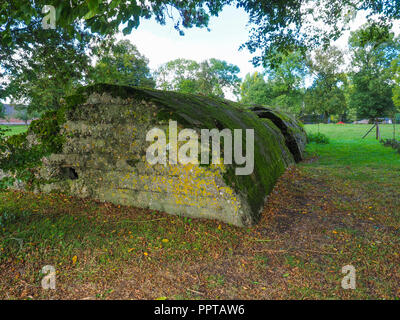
point(292, 130)
point(104, 153)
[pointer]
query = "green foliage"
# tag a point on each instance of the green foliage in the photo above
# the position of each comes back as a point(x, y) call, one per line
point(287, 82)
point(177, 74)
point(371, 96)
point(210, 77)
point(281, 26)
point(327, 94)
point(374, 49)
point(286, 26)
point(19, 157)
point(3, 131)
point(103, 16)
point(42, 66)
point(283, 87)
point(254, 90)
point(47, 130)
point(120, 63)
point(318, 137)
point(23, 113)
point(391, 143)
point(2, 113)
point(396, 78)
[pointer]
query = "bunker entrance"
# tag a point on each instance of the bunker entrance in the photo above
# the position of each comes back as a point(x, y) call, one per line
point(70, 173)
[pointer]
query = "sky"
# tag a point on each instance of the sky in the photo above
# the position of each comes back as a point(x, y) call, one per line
point(229, 30)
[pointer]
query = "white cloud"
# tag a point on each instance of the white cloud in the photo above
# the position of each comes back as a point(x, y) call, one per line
point(161, 44)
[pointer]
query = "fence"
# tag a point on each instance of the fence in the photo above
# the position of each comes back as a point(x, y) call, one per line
point(388, 128)
point(315, 118)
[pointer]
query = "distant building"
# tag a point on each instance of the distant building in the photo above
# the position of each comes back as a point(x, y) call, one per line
point(9, 110)
point(380, 120)
point(387, 121)
point(11, 116)
point(364, 121)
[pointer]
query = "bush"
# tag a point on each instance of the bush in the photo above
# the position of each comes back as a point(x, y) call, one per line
point(18, 158)
point(319, 138)
point(391, 143)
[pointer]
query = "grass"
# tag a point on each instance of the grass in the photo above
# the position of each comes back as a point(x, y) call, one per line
point(340, 206)
point(348, 148)
point(15, 129)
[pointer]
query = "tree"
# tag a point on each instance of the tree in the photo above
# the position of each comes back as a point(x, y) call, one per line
point(396, 78)
point(23, 113)
point(286, 82)
point(285, 26)
point(254, 90)
point(120, 63)
point(327, 94)
point(2, 113)
point(43, 65)
point(103, 16)
point(281, 87)
point(215, 76)
point(374, 48)
point(279, 25)
point(211, 77)
point(177, 75)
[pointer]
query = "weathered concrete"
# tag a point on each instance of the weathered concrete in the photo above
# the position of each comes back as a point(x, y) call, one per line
point(292, 130)
point(104, 153)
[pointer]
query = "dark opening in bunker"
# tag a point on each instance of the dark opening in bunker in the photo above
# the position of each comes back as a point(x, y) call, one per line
point(70, 173)
point(291, 143)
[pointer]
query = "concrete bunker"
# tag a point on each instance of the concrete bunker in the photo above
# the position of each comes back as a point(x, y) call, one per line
point(103, 153)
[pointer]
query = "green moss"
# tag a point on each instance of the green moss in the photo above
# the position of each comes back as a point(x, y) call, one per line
point(294, 133)
point(75, 100)
point(115, 91)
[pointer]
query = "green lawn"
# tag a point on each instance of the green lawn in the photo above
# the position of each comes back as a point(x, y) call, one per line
point(347, 147)
point(341, 206)
point(15, 129)
point(364, 164)
point(353, 131)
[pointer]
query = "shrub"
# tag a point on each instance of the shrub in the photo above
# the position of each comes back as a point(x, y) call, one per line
point(319, 138)
point(18, 158)
point(391, 143)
